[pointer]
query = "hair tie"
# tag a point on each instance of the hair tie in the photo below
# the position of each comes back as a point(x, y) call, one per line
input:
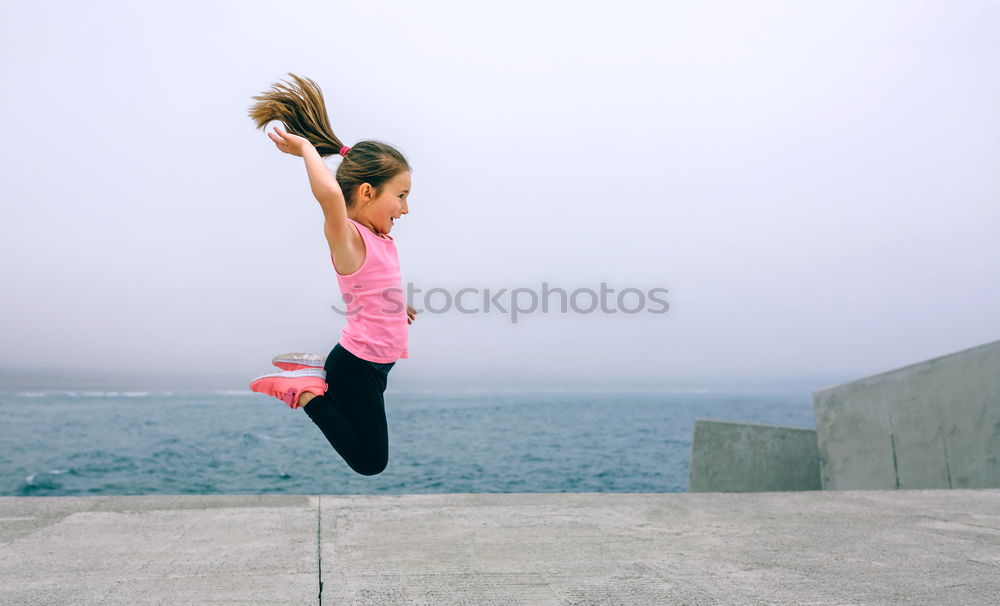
point(344, 150)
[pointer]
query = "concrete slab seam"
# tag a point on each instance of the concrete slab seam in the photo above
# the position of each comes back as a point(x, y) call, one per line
point(944, 445)
point(892, 441)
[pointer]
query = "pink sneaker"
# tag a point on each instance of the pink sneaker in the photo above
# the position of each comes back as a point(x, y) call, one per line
point(287, 386)
point(298, 361)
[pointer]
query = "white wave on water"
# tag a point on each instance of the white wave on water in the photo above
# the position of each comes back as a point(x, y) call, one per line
point(232, 392)
point(72, 393)
point(260, 436)
point(110, 394)
point(30, 480)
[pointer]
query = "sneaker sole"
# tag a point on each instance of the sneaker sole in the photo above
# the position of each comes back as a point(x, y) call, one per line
point(293, 374)
point(298, 361)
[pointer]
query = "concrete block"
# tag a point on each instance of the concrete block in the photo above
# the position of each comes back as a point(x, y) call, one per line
point(748, 457)
point(499, 549)
point(183, 549)
point(935, 424)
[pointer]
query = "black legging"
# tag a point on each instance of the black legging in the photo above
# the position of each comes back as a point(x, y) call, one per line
point(352, 413)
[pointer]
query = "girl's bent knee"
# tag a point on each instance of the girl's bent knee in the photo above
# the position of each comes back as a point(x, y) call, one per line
point(371, 469)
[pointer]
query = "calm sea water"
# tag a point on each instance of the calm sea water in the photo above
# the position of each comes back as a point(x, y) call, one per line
point(122, 443)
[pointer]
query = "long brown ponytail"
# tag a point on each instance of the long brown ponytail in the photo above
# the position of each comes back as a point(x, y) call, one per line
point(300, 106)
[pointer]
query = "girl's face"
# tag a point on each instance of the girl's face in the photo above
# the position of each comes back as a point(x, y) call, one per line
point(390, 205)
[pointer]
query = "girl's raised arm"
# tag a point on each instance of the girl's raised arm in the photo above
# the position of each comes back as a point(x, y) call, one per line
point(324, 186)
point(299, 106)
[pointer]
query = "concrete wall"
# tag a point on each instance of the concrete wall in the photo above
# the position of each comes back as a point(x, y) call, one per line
point(935, 424)
point(746, 457)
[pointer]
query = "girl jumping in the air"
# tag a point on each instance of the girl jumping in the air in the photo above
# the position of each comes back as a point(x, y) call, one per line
point(344, 394)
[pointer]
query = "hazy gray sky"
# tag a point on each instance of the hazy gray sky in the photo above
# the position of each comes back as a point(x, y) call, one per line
point(816, 186)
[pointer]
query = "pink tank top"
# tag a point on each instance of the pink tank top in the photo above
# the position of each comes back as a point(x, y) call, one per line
point(376, 327)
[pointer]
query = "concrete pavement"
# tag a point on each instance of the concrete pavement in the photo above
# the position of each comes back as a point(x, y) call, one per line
point(816, 547)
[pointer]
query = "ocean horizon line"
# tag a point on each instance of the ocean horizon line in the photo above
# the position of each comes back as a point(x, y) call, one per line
point(132, 393)
point(74, 382)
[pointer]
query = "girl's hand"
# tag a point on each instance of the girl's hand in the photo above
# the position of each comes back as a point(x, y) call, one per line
point(411, 314)
point(289, 143)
